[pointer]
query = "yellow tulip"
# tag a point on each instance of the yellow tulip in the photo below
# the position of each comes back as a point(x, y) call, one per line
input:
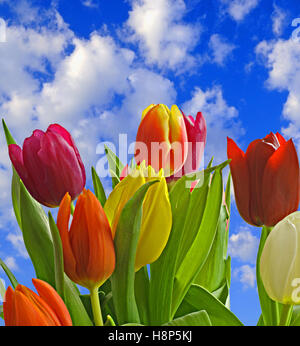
point(157, 215)
point(280, 261)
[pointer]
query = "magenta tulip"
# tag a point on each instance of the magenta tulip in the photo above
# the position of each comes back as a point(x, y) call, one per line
point(49, 165)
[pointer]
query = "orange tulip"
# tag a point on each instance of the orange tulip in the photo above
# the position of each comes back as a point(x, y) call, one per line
point(23, 307)
point(88, 248)
point(161, 139)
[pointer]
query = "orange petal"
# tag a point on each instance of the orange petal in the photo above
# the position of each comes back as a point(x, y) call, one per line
point(63, 218)
point(52, 298)
point(9, 307)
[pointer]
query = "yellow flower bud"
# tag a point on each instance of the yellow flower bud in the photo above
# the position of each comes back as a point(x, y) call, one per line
point(157, 215)
point(280, 261)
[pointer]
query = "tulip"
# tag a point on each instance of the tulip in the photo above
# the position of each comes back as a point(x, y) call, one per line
point(88, 248)
point(23, 307)
point(280, 261)
point(265, 179)
point(157, 216)
point(49, 165)
point(161, 139)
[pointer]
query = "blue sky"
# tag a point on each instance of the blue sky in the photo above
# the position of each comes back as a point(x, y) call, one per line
point(93, 66)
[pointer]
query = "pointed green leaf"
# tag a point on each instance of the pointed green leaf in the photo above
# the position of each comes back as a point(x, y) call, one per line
point(115, 166)
point(9, 274)
point(98, 187)
point(58, 258)
point(198, 318)
point(142, 294)
point(2, 289)
point(198, 298)
point(198, 252)
point(126, 240)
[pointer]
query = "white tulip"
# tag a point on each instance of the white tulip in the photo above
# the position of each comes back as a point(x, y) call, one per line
point(280, 261)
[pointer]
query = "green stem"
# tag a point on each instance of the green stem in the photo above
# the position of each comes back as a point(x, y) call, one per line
point(269, 308)
point(96, 307)
point(286, 314)
point(72, 208)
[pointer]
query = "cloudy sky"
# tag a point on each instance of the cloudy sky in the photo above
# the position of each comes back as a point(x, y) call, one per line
point(94, 65)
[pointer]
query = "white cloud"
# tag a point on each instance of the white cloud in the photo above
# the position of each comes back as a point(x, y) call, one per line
point(221, 119)
point(282, 59)
point(11, 263)
point(18, 244)
point(238, 9)
point(221, 49)
point(89, 3)
point(278, 20)
point(162, 35)
point(243, 245)
point(246, 274)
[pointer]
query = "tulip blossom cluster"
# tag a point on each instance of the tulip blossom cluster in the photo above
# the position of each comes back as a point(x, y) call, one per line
point(154, 249)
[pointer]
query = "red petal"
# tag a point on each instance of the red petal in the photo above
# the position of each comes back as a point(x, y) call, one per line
point(240, 177)
point(280, 191)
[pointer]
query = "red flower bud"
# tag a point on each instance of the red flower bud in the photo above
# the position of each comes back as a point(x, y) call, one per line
point(266, 179)
point(49, 165)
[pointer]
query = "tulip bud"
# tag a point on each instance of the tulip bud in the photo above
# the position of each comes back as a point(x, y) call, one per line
point(280, 261)
point(161, 139)
point(23, 307)
point(49, 165)
point(88, 248)
point(265, 179)
point(157, 216)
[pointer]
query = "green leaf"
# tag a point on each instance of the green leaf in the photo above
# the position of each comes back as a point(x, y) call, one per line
point(198, 318)
point(98, 187)
point(115, 166)
point(1, 312)
point(9, 138)
point(213, 272)
point(126, 240)
point(198, 298)
point(269, 308)
point(142, 294)
point(198, 252)
point(58, 258)
point(9, 274)
point(2, 289)
point(163, 270)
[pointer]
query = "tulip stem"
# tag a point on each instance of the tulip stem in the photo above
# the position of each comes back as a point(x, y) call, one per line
point(95, 302)
point(286, 314)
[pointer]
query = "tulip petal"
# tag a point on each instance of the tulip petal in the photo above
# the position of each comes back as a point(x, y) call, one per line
point(257, 155)
point(241, 179)
point(9, 307)
point(280, 187)
point(156, 224)
point(63, 218)
point(51, 297)
point(119, 197)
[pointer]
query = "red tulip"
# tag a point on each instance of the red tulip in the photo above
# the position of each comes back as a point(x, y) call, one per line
point(49, 165)
point(88, 248)
point(23, 307)
point(265, 179)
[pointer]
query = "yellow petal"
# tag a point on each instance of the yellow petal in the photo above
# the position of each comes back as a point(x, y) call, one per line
point(156, 224)
point(120, 196)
